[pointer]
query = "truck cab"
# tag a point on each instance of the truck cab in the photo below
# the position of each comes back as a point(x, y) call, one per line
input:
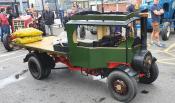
point(97, 51)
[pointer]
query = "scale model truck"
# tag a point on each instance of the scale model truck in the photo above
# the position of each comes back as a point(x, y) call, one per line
point(120, 57)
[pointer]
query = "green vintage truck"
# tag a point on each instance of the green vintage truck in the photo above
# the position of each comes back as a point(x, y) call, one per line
point(113, 53)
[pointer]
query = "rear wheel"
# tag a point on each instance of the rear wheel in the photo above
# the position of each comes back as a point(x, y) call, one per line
point(6, 42)
point(122, 87)
point(39, 66)
point(35, 68)
point(48, 63)
point(165, 33)
point(154, 72)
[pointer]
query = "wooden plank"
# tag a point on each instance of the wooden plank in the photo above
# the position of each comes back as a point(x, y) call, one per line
point(46, 45)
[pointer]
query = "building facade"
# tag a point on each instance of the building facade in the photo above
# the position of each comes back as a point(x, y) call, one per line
point(20, 4)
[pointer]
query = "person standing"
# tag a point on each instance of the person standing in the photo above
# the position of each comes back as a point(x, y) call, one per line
point(48, 17)
point(65, 20)
point(10, 16)
point(5, 28)
point(74, 8)
point(156, 12)
point(131, 8)
point(0, 28)
point(31, 10)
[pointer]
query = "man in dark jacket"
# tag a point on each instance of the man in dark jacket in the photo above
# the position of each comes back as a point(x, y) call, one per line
point(48, 17)
point(10, 15)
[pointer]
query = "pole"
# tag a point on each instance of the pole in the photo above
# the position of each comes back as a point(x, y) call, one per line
point(56, 11)
point(42, 4)
point(16, 9)
point(28, 3)
point(102, 6)
point(21, 6)
point(144, 30)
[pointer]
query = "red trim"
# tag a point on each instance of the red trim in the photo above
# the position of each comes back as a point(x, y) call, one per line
point(141, 75)
point(91, 71)
point(66, 61)
point(112, 65)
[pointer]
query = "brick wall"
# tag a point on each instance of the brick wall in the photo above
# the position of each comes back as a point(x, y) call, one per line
point(113, 7)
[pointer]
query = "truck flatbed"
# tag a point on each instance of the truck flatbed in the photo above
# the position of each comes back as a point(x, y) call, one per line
point(46, 45)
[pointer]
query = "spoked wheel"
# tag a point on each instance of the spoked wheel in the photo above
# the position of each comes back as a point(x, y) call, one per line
point(153, 74)
point(122, 87)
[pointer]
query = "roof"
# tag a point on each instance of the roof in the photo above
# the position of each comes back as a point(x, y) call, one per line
point(103, 19)
point(101, 22)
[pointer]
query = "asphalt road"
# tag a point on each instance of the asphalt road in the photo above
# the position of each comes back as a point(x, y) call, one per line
point(63, 86)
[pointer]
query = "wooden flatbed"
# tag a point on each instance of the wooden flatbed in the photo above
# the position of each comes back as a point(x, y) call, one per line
point(46, 45)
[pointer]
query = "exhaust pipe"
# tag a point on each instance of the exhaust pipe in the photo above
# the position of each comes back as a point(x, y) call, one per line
point(144, 17)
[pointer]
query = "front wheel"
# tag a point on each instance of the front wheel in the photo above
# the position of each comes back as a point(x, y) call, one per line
point(154, 72)
point(122, 87)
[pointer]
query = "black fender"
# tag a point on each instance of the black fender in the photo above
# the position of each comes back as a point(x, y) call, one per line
point(28, 56)
point(154, 60)
point(128, 70)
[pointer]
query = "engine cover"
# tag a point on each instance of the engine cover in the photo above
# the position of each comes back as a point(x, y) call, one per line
point(142, 61)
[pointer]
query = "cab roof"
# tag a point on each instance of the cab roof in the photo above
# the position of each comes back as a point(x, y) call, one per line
point(103, 19)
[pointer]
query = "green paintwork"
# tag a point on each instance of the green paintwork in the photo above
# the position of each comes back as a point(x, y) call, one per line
point(97, 57)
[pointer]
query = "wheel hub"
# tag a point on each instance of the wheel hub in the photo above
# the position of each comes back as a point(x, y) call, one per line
point(34, 69)
point(148, 62)
point(120, 87)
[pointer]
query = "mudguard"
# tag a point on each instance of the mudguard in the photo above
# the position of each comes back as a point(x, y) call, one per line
point(154, 60)
point(28, 56)
point(128, 70)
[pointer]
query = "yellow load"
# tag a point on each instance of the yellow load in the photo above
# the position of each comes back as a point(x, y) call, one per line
point(27, 32)
point(26, 40)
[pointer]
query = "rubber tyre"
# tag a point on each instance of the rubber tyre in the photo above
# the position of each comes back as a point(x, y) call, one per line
point(154, 73)
point(174, 21)
point(48, 59)
point(48, 64)
point(6, 43)
point(164, 33)
point(129, 81)
point(36, 68)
